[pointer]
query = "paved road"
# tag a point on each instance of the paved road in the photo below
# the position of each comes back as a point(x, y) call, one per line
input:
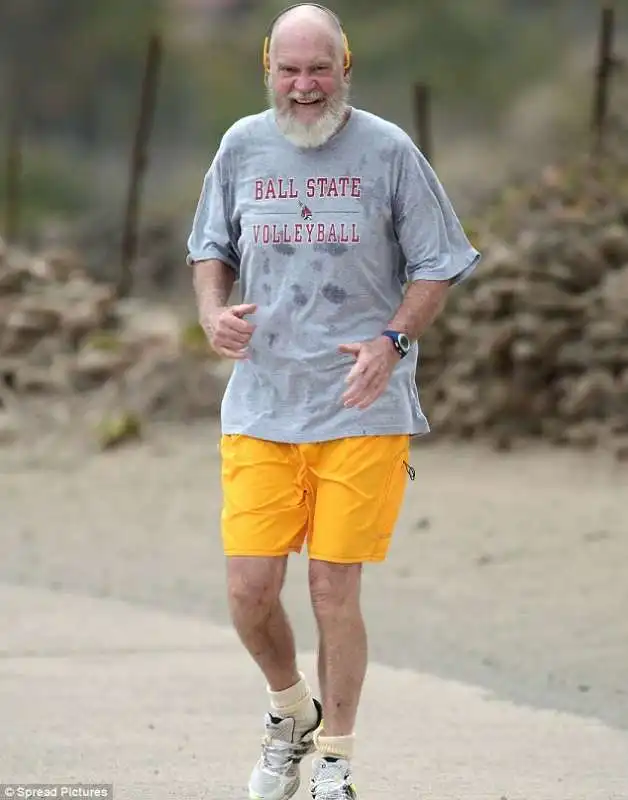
point(506, 571)
point(166, 706)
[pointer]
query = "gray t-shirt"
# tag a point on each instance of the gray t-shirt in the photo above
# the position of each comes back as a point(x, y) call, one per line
point(323, 240)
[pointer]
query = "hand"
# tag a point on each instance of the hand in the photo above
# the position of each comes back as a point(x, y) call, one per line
point(227, 332)
point(369, 376)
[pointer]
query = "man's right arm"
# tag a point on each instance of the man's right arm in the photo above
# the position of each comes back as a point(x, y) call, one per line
point(213, 284)
point(226, 329)
point(213, 255)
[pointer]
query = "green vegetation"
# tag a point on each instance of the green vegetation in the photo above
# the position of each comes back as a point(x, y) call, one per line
point(118, 429)
point(50, 185)
point(79, 93)
point(107, 341)
point(194, 341)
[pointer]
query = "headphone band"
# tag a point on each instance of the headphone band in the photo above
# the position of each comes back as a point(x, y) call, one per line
point(266, 50)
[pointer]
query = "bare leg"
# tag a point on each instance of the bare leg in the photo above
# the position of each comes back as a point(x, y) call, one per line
point(254, 588)
point(322, 667)
point(342, 658)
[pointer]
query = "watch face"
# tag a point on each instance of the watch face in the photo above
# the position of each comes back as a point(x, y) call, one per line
point(404, 342)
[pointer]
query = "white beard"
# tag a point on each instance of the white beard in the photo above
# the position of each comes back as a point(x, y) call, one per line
point(317, 133)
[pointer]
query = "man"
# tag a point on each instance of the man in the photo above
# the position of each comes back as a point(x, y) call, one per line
point(325, 214)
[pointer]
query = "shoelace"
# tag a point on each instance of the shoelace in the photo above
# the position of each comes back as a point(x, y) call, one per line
point(278, 754)
point(328, 789)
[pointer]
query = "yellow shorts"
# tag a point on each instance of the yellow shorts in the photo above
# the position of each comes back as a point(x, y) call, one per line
point(343, 496)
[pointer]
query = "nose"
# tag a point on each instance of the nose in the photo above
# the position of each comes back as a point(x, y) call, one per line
point(304, 83)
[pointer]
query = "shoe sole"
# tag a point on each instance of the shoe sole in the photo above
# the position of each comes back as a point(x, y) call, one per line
point(254, 796)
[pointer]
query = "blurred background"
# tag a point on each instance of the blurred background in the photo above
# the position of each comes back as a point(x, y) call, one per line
point(511, 85)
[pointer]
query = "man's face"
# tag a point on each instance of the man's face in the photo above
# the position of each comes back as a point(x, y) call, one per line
point(307, 88)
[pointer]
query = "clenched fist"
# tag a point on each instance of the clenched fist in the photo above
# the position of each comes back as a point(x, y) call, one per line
point(227, 331)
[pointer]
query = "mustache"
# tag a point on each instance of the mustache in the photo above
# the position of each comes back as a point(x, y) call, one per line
point(306, 96)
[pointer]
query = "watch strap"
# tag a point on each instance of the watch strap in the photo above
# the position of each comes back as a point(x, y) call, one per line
point(394, 338)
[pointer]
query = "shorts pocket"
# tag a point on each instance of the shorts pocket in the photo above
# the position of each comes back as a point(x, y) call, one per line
point(393, 492)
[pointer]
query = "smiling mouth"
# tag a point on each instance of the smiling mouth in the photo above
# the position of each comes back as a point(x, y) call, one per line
point(308, 102)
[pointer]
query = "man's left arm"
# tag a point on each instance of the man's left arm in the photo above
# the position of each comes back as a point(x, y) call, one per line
point(375, 360)
point(438, 254)
point(422, 303)
point(437, 251)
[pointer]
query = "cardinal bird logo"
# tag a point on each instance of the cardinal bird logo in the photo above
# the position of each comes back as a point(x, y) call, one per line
point(305, 211)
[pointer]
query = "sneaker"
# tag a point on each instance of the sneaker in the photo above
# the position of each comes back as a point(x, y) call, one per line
point(276, 776)
point(331, 780)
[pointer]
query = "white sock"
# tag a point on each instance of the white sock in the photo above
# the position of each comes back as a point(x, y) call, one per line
point(295, 701)
point(335, 746)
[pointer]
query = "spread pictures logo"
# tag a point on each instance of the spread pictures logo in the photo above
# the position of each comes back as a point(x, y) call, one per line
point(305, 211)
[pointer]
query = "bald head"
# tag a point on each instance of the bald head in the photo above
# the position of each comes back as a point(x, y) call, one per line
point(308, 86)
point(308, 26)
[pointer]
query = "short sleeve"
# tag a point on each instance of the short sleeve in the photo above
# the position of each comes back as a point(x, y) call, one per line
point(431, 237)
point(213, 234)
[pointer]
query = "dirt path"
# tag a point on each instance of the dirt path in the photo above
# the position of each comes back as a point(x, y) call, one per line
point(507, 571)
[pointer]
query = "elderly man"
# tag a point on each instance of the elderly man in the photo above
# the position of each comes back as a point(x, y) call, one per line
point(345, 245)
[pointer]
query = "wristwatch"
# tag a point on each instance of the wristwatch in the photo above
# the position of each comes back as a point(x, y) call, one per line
point(400, 340)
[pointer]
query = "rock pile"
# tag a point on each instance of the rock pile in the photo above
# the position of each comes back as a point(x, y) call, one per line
point(63, 334)
point(535, 344)
point(97, 237)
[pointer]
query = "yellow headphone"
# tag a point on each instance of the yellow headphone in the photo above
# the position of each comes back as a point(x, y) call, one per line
point(265, 55)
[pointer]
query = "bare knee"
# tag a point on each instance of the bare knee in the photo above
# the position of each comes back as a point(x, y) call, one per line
point(334, 589)
point(254, 586)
